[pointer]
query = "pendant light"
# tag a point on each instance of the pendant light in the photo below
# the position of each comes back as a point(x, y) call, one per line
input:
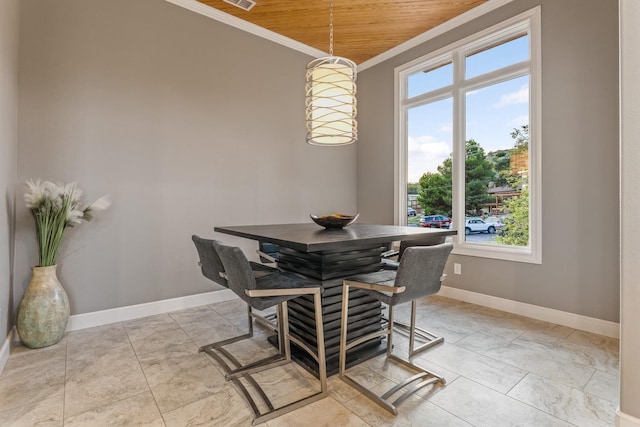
point(331, 98)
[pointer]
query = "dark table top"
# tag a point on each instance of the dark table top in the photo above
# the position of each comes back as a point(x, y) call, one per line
point(310, 237)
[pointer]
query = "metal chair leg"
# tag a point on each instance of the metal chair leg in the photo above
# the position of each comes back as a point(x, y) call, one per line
point(431, 338)
point(229, 363)
point(319, 357)
point(414, 383)
point(414, 331)
point(236, 372)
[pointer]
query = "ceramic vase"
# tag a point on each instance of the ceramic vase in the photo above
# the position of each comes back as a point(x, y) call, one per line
point(44, 309)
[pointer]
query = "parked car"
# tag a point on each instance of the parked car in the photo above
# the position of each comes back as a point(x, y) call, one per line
point(435, 221)
point(476, 225)
point(411, 212)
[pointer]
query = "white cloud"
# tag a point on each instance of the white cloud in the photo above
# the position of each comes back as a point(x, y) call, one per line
point(425, 154)
point(519, 97)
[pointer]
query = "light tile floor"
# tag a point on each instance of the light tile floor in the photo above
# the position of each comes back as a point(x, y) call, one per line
point(501, 370)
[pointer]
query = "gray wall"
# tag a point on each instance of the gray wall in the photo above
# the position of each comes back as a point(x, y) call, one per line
point(8, 153)
point(187, 123)
point(579, 273)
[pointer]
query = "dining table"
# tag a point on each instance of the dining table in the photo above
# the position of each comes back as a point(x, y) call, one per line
point(328, 256)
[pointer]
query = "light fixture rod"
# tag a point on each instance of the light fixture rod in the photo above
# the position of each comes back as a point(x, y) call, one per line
point(331, 28)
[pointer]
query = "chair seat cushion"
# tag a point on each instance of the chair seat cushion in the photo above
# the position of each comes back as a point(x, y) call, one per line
point(279, 280)
point(260, 270)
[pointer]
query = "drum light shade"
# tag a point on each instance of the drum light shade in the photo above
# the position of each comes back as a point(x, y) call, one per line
point(331, 97)
point(331, 101)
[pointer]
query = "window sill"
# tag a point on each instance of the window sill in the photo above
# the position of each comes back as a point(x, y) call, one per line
point(504, 253)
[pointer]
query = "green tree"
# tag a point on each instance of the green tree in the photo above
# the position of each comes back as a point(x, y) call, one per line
point(516, 227)
point(434, 193)
point(515, 230)
point(521, 135)
point(501, 159)
point(412, 188)
point(501, 162)
point(435, 188)
point(478, 172)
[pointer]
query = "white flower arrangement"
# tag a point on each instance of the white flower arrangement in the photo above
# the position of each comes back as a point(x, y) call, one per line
point(55, 207)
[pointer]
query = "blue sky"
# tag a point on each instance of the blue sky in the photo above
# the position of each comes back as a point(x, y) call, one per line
point(492, 112)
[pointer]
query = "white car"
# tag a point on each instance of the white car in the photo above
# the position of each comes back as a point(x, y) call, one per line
point(476, 225)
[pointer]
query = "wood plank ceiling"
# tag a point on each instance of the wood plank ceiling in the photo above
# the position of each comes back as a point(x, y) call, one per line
point(363, 29)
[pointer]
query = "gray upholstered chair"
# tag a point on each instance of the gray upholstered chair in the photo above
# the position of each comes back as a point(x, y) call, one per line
point(211, 267)
point(261, 292)
point(418, 275)
point(390, 264)
point(428, 338)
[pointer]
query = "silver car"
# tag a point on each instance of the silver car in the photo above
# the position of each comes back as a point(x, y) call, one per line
point(477, 225)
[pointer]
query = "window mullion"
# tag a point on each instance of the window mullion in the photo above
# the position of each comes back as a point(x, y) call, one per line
point(458, 144)
point(498, 76)
point(433, 96)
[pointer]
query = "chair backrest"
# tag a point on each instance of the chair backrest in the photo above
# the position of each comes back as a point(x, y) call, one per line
point(426, 241)
point(237, 269)
point(420, 270)
point(210, 262)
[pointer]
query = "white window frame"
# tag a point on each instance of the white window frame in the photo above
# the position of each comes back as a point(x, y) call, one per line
point(529, 22)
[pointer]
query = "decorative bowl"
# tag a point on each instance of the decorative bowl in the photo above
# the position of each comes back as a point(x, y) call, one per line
point(334, 220)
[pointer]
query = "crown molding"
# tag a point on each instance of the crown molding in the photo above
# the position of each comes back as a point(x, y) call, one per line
point(435, 32)
point(210, 12)
point(225, 18)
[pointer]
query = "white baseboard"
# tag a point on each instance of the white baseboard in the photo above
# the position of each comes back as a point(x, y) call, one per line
point(576, 321)
point(625, 420)
point(120, 314)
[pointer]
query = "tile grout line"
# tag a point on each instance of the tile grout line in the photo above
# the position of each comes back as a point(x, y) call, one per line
point(155, 401)
point(535, 350)
point(349, 409)
point(218, 368)
point(451, 413)
point(538, 409)
point(518, 382)
point(530, 406)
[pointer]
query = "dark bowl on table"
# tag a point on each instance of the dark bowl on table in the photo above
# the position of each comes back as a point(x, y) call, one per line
point(334, 221)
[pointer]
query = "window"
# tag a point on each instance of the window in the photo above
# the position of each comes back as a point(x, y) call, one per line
point(468, 140)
